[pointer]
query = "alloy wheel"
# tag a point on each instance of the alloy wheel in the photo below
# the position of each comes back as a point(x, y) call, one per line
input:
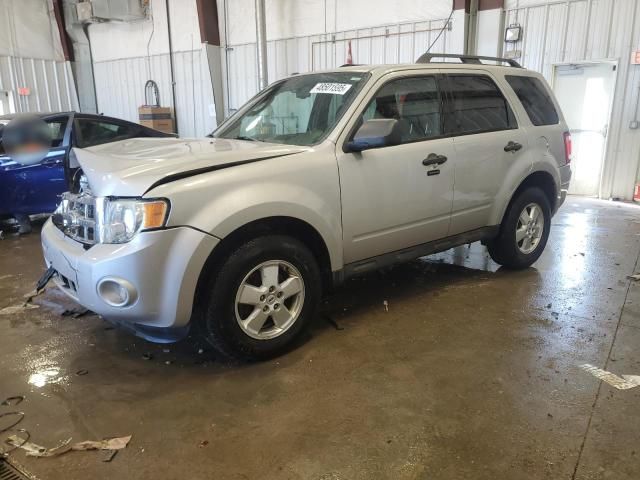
point(529, 228)
point(269, 299)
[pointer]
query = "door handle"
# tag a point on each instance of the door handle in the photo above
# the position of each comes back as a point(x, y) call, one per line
point(52, 163)
point(434, 159)
point(512, 146)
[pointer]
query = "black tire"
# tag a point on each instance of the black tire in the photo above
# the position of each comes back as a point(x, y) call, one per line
point(24, 224)
point(504, 248)
point(215, 312)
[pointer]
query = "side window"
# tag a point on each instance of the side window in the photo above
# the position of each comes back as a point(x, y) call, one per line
point(95, 132)
point(414, 102)
point(476, 105)
point(57, 127)
point(535, 99)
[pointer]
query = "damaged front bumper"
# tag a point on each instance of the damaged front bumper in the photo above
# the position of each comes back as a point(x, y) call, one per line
point(147, 285)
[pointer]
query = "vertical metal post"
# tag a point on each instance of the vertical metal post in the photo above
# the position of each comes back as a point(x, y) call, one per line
point(261, 44)
point(171, 67)
point(471, 30)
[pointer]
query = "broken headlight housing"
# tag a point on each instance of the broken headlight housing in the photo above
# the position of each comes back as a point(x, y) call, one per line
point(123, 218)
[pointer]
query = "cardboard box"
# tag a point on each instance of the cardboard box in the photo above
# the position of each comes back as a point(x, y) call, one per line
point(158, 118)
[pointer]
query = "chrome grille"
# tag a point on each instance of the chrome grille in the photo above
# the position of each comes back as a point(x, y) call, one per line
point(77, 217)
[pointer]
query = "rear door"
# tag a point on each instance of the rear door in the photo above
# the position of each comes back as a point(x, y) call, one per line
point(391, 200)
point(487, 144)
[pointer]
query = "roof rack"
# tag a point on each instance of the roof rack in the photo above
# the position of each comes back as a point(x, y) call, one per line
point(474, 59)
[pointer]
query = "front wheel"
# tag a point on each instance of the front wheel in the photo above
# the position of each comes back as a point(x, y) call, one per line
point(24, 224)
point(524, 230)
point(260, 299)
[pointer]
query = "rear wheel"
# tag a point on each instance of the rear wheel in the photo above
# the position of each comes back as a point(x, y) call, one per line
point(260, 299)
point(524, 230)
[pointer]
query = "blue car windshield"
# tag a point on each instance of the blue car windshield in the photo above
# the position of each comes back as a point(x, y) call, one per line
point(301, 110)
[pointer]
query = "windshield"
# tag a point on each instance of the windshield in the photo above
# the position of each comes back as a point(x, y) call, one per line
point(298, 111)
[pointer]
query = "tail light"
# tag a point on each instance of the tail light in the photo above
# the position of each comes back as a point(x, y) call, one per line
point(567, 147)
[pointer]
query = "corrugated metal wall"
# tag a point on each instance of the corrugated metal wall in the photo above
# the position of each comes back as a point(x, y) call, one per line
point(578, 30)
point(50, 82)
point(398, 43)
point(120, 88)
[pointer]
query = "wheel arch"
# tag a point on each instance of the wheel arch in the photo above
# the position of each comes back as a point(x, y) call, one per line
point(281, 225)
point(541, 179)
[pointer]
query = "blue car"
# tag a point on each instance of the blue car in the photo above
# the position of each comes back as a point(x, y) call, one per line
point(35, 189)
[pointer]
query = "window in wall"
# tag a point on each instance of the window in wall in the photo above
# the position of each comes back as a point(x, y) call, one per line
point(476, 106)
point(535, 99)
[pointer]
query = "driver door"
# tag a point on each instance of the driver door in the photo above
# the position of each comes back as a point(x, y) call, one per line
point(391, 200)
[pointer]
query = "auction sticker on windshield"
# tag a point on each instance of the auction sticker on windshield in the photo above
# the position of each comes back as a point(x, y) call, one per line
point(332, 88)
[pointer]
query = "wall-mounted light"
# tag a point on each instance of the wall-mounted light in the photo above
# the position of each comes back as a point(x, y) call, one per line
point(513, 33)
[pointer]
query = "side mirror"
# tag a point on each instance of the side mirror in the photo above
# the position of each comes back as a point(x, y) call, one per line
point(375, 133)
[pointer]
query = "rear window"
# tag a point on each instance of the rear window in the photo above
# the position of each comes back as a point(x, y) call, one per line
point(477, 106)
point(535, 99)
point(96, 132)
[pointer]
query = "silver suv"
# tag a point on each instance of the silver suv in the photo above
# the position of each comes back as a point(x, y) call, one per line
point(317, 178)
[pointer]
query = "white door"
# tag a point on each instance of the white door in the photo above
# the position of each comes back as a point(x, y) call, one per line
point(585, 93)
point(397, 196)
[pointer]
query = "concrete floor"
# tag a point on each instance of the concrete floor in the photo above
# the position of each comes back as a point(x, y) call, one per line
point(472, 373)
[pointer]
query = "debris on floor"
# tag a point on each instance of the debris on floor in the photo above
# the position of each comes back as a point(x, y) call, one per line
point(13, 309)
point(44, 280)
point(332, 322)
point(76, 313)
point(34, 450)
point(31, 295)
point(19, 417)
point(27, 304)
point(635, 276)
point(624, 383)
point(12, 401)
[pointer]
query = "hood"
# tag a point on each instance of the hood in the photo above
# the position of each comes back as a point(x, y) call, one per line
point(132, 167)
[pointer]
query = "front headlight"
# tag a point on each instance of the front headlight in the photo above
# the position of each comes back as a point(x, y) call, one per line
point(124, 218)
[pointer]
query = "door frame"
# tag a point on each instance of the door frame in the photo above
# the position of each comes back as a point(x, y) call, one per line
point(605, 151)
point(7, 101)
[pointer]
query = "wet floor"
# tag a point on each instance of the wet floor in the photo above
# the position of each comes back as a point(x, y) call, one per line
point(467, 371)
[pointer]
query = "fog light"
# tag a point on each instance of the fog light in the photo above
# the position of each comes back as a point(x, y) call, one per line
point(117, 292)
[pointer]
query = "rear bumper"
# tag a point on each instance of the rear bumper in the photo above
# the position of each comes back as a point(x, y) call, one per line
point(565, 180)
point(161, 267)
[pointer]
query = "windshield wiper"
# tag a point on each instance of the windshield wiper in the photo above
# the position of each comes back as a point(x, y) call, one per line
point(244, 137)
